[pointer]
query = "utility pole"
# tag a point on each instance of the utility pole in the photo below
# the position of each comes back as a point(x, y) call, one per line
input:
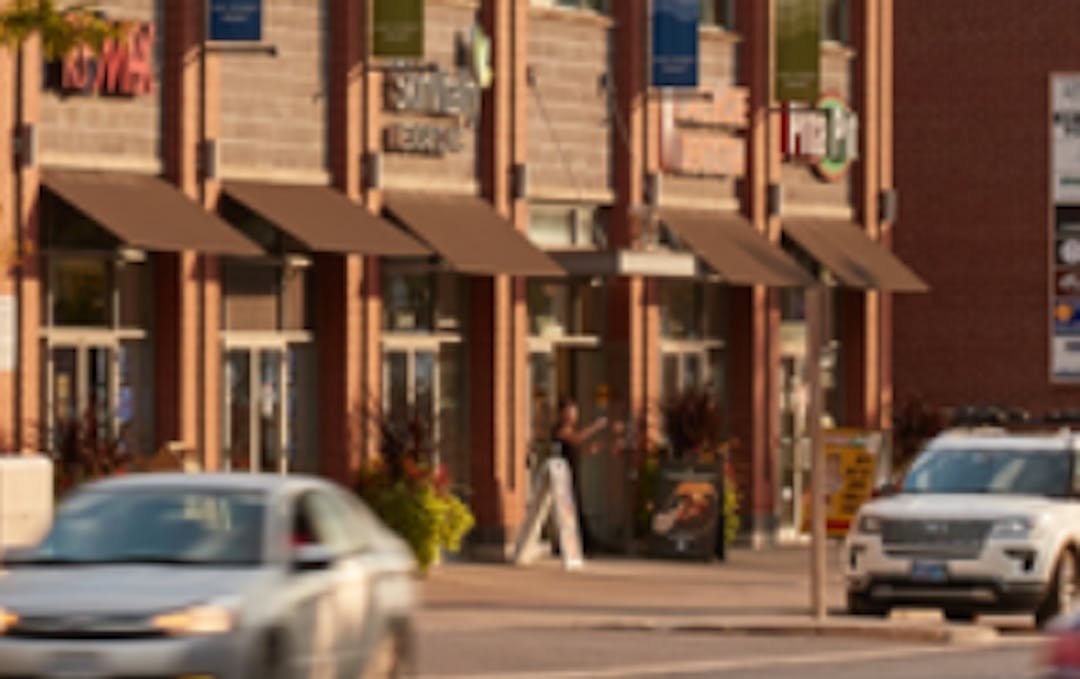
point(816, 325)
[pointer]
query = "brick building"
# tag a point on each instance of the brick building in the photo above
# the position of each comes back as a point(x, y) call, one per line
point(973, 168)
point(248, 253)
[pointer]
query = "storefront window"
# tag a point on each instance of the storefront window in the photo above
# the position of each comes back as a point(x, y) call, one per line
point(681, 310)
point(81, 291)
point(837, 17)
point(565, 227)
point(558, 309)
point(408, 302)
point(718, 13)
point(694, 327)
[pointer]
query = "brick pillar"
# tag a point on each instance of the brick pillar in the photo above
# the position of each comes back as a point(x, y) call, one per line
point(755, 311)
point(187, 332)
point(8, 249)
point(339, 312)
point(632, 312)
point(885, 163)
point(494, 340)
point(862, 330)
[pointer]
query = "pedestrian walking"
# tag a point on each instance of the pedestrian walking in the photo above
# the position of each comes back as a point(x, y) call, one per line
point(573, 445)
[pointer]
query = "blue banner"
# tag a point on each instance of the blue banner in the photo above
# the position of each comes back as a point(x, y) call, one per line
point(235, 20)
point(675, 43)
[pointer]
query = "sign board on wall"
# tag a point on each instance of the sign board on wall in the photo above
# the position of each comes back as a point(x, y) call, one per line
point(826, 135)
point(702, 135)
point(798, 50)
point(440, 106)
point(125, 66)
point(234, 20)
point(397, 29)
point(1064, 287)
point(675, 42)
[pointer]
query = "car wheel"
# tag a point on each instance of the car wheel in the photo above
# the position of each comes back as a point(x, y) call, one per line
point(860, 604)
point(389, 659)
point(1062, 591)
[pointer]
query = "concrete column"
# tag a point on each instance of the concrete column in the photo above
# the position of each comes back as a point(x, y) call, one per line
point(886, 178)
point(370, 388)
point(339, 278)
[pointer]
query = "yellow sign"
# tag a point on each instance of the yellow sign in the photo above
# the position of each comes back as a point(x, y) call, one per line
point(851, 458)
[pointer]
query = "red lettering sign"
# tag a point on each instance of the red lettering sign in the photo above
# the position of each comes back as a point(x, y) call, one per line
point(125, 66)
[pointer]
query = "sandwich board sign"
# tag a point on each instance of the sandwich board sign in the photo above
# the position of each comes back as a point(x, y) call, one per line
point(554, 498)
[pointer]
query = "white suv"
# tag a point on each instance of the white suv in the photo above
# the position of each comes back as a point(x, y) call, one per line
point(986, 521)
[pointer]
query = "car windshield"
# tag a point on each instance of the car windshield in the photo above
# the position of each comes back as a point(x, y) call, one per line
point(160, 525)
point(999, 472)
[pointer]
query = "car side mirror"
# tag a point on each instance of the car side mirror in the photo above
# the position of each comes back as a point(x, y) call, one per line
point(312, 558)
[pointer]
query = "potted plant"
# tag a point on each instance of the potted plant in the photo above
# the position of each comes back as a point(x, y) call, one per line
point(411, 492)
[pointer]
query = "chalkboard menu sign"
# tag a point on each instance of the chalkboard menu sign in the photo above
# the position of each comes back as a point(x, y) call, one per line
point(689, 504)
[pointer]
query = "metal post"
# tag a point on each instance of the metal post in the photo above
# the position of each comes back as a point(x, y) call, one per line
point(816, 322)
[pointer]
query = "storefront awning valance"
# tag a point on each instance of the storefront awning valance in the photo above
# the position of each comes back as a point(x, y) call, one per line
point(735, 250)
point(856, 260)
point(470, 235)
point(147, 212)
point(324, 220)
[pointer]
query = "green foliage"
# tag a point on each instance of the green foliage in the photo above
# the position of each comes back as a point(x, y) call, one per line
point(61, 30)
point(419, 506)
point(731, 507)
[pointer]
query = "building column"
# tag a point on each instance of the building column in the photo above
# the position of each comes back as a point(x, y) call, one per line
point(861, 339)
point(9, 256)
point(339, 326)
point(886, 178)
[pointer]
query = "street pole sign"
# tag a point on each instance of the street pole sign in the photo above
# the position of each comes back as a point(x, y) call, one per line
point(816, 317)
point(397, 29)
point(798, 50)
point(234, 20)
point(675, 42)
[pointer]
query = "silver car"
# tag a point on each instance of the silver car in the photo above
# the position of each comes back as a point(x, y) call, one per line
point(209, 577)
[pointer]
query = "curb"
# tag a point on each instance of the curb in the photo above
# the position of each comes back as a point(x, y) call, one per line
point(836, 627)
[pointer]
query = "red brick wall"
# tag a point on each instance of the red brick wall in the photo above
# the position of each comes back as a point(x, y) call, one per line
point(972, 169)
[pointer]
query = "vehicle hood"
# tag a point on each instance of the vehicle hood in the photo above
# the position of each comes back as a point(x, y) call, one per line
point(121, 589)
point(958, 506)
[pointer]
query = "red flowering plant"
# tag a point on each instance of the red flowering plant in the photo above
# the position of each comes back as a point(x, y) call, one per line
point(86, 449)
point(411, 493)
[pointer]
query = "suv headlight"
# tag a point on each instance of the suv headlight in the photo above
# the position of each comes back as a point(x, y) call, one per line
point(1014, 528)
point(869, 525)
point(7, 620)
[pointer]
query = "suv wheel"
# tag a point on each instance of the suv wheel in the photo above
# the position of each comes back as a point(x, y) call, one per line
point(1062, 591)
point(860, 604)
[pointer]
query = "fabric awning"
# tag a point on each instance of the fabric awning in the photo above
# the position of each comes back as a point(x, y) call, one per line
point(324, 220)
point(857, 261)
point(148, 213)
point(735, 250)
point(470, 235)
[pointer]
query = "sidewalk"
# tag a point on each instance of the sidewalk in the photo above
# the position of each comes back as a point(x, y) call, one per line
point(763, 592)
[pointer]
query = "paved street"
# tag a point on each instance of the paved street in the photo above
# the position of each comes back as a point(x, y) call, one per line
point(641, 618)
point(562, 653)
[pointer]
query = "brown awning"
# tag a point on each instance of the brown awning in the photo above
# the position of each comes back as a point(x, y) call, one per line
point(324, 220)
point(858, 262)
point(735, 250)
point(469, 235)
point(147, 212)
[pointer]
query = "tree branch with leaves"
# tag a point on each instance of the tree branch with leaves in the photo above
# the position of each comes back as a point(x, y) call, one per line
point(62, 29)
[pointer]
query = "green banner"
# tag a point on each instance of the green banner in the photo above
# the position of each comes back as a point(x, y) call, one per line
point(397, 29)
point(798, 50)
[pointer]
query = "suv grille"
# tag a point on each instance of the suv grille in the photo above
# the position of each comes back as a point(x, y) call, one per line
point(934, 538)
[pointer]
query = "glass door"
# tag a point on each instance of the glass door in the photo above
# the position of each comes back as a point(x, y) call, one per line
point(255, 412)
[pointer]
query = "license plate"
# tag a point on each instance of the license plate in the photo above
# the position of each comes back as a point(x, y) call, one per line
point(75, 665)
point(929, 571)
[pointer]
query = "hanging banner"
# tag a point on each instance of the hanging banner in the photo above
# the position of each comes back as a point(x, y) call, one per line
point(798, 51)
point(234, 20)
point(675, 43)
point(397, 29)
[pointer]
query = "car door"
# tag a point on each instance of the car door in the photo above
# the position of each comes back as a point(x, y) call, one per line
point(317, 622)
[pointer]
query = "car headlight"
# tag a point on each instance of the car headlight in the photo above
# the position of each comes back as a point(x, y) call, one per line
point(195, 621)
point(1014, 527)
point(7, 620)
point(869, 525)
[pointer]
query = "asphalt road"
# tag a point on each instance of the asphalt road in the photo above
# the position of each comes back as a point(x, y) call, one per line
point(585, 654)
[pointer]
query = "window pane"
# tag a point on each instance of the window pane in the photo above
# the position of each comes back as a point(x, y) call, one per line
point(549, 308)
point(136, 295)
point(303, 412)
point(836, 17)
point(551, 227)
point(408, 301)
point(238, 409)
point(680, 309)
point(135, 399)
point(82, 291)
point(453, 417)
point(395, 367)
